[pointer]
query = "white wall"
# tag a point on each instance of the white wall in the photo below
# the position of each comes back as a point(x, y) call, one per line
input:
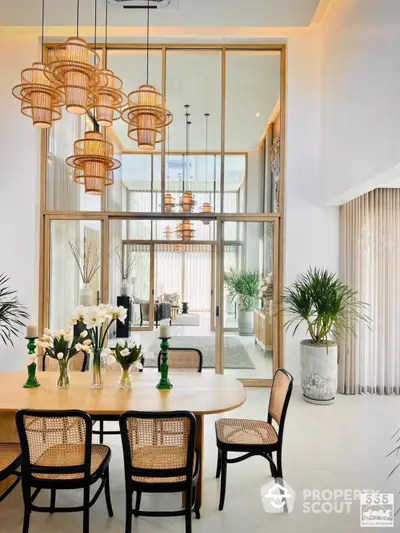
point(19, 188)
point(360, 119)
point(312, 231)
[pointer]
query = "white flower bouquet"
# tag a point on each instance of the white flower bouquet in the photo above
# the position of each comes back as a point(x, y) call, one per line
point(97, 320)
point(61, 346)
point(128, 357)
point(175, 300)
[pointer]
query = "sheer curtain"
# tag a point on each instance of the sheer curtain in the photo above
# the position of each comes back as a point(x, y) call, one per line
point(370, 257)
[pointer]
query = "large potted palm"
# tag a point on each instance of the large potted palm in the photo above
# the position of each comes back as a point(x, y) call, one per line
point(243, 286)
point(329, 308)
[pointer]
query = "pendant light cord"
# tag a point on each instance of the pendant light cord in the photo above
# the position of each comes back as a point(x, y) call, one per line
point(42, 30)
point(206, 117)
point(187, 115)
point(95, 25)
point(147, 40)
point(77, 18)
point(106, 29)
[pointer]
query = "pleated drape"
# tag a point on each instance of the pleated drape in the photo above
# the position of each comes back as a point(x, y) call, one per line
point(370, 263)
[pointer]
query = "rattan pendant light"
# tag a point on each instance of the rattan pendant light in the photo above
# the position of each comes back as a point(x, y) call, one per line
point(186, 201)
point(75, 70)
point(206, 207)
point(185, 231)
point(94, 162)
point(146, 113)
point(40, 99)
point(109, 98)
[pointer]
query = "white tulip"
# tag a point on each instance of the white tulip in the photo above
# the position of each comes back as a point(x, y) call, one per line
point(84, 334)
point(125, 352)
point(68, 337)
point(31, 359)
point(138, 364)
point(78, 347)
point(42, 344)
point(47, 331)
point(87, 342)
point(60, 355)
point(111, 360)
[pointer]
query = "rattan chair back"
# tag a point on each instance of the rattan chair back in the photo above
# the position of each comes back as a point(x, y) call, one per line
point(183, 360)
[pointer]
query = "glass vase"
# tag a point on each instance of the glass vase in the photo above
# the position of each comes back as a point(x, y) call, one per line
point(63, 374)
point(125, 381)
point(96, 369)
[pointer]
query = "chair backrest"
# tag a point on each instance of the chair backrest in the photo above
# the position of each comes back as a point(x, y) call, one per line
point(77, 364)
point(158, 445)
point(55, 443)
point(183, 360)
point(144, 310)
point(281, 391)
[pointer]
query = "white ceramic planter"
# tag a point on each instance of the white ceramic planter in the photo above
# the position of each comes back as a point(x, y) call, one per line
point(318, 372)
point(85, 295)
point(246, 322)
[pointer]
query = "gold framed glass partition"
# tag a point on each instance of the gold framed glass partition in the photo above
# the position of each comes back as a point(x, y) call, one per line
point(242, 179)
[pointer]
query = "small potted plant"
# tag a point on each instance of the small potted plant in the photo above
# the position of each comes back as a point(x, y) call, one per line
point(243, 286)
point(62, 347)
point(127, 357)
point(97, 320)
point(328, 307)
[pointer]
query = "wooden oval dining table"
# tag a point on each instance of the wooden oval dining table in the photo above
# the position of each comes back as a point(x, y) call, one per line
point(200, 393)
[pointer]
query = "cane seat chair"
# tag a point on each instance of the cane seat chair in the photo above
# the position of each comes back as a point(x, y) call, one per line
point(183, 360)
point(10, 460)
point(255, 437)
point(57, 453)
point(159, 457)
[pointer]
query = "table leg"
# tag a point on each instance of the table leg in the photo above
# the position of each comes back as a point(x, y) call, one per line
point(200, 450)
point(8, 433)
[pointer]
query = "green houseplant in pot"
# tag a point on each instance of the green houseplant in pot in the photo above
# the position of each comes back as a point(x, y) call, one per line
point(329, 308)
point(243, 286)
point(13, 314)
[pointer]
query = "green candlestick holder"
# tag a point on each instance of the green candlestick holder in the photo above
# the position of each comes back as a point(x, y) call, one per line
point(164, 383)
point(31, 382)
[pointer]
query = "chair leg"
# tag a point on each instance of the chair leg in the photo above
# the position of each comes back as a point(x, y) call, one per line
point(224, 456)
point(108, 494)
point(101, 431)
point(188, 512)
point(137, 505)
point(128, 511)
point(52, 500)
point(27, 517)
point(272, 466)
point(86, 509)
point(196, 507)
point(279, 473)
point(218, 473)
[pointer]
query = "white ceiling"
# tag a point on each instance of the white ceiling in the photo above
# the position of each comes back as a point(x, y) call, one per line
point(195, 13)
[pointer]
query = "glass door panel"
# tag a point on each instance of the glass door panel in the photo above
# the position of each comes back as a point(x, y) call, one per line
point(73, 280)
point(249, 294)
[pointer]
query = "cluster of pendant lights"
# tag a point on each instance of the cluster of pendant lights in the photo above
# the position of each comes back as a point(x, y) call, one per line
point(73, 79)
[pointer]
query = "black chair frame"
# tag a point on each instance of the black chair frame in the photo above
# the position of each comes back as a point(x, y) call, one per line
point(252, 450)
point(29, 481)
point(187, 487)
point(179, 350)
point(11, 470)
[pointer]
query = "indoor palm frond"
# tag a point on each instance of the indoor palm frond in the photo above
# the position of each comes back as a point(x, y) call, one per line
point(12, 313)
point(242, 286)
point(325, 304)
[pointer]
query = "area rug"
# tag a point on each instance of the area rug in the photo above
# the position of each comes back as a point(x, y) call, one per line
point(235, 356)
point(186, 319)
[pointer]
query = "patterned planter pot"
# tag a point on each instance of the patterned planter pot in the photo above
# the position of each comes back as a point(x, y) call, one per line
point(318, 372)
